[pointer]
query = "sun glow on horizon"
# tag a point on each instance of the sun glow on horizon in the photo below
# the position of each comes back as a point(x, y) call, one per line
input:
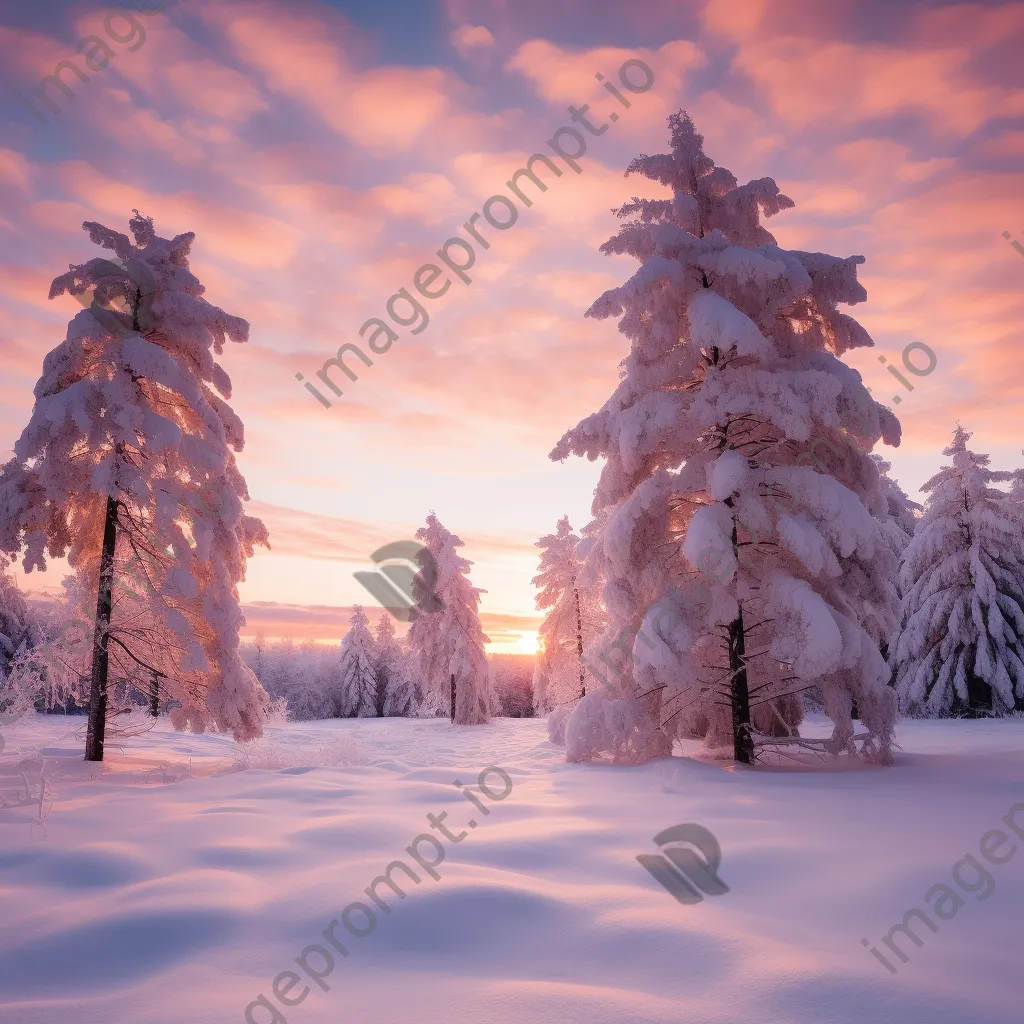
point(528, 642)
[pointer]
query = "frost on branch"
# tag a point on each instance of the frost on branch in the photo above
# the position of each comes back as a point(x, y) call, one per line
point(395, 691)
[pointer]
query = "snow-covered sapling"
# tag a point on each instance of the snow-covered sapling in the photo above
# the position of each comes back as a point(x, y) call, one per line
point(574, 618)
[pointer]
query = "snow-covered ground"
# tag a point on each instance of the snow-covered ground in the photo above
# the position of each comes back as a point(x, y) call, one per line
point(175, 886)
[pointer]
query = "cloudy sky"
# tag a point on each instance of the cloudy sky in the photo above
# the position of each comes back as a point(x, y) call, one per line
point(322, 152)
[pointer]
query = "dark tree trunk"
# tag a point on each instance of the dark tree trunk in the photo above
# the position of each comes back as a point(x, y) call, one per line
point(453, 698)
point(579, 638)
point(743, 744)
point(98, 683)
point(154, 697)
point(742, 741)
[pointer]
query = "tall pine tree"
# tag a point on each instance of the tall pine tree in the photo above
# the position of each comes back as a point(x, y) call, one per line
point(357, 685)
point(394, 695)
point(760, 555)
point(960, 643)
point(130, 455)
point(450, 642)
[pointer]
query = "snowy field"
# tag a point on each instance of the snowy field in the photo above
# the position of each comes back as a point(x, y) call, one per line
point(176, 885)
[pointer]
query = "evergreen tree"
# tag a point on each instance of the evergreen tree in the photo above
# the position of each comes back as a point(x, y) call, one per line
point(899, 524)
point(901, 513)
point(356, 687)
point(16, 622)
point(451, 641)
point(130, 454)
point(762, 568)
point(959, 647)
point(574, 619)
point(1015, 498)
point(394, 695)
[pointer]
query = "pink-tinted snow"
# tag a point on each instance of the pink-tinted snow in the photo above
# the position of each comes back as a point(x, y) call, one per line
point(175, 886)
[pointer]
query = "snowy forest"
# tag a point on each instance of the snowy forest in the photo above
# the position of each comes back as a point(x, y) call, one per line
point(511, 512)
point(750, 554)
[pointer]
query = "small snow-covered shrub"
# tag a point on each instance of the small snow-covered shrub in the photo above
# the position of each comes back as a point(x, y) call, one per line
point(276, 711)
point(556, 725)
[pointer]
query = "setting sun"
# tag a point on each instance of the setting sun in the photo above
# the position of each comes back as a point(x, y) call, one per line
point(528, 642)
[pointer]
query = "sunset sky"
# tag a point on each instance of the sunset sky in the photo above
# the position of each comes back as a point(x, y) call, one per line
point(322, 152)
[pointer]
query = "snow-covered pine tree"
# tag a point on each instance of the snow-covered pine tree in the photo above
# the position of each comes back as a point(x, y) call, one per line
point(356, 686)
point(451, 641)
point(394, 694)
point(899, 524)
point(901, 512)
point(960, 643)
point(574, 618)
point(733, 377)
point(21, 634)
point(1015, 498)
point(16, 625)
point(130, 454)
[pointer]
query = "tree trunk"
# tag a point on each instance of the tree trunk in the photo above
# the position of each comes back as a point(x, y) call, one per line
point(743, 745)
point(979, 697)
point(453, 698)
point(742, 742)
point(154, 697)
point(579, 638)
point(98, 683)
